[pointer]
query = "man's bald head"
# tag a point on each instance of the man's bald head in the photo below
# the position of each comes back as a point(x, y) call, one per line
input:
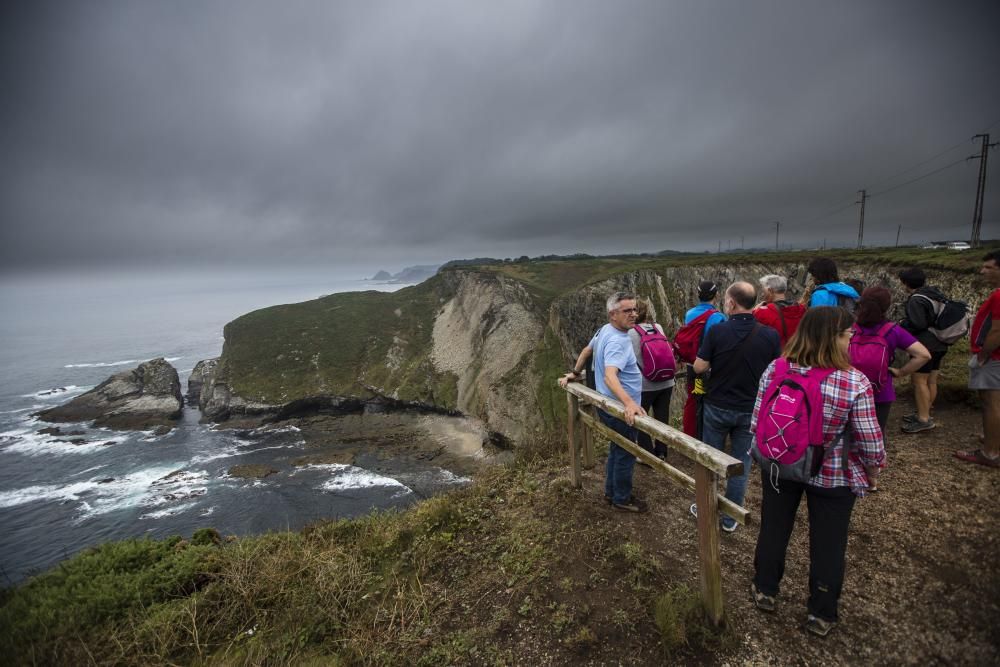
point(743, 296)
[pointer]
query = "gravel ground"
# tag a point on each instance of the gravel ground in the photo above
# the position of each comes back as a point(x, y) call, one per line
point(922, 583)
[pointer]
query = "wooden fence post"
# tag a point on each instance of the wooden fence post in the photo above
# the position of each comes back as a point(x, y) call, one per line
point(706, 488)
point(574, 435)
point(588, 440)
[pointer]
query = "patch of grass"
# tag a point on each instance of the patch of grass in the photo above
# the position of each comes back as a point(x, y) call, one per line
point(682, 622)
point(77, 604)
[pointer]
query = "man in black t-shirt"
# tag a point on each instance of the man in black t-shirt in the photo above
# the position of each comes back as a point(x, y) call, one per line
point(737, 351)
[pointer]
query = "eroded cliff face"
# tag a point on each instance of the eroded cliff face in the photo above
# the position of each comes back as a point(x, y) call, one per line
point(673, 290)
point(485, 334)
point(480, 342)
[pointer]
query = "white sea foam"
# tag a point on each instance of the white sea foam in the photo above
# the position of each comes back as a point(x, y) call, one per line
point(448, 477)
point(226, 453)
point(208, 511)
point(14, 412)
point(46, 492)
point(57, 392)
point(169, 511)
point(83, 472)
point(30, 443)
point(150, 487)
point(177, 486)
point(346, 477)
point(109, 364)
point(283, 429)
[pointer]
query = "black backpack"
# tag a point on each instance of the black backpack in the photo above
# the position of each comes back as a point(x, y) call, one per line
point(951, 319)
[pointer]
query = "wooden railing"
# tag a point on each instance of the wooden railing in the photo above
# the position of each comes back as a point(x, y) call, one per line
point(710, 466)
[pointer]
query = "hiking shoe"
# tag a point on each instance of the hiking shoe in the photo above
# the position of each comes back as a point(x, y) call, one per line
point(729, 527)
point(634, 505)
point(761, 601)
point(912, 417)
point(694, 510)
point(818, 626)
point(917, 426)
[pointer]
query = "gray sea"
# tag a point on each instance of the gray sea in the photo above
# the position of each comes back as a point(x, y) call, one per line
point(61, 334)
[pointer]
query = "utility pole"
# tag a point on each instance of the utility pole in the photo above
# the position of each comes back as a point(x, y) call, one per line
point(861, 222)
point(741, 243)
point(720, 245)
point(777, 226)
point(977, 213)
point(898, 230)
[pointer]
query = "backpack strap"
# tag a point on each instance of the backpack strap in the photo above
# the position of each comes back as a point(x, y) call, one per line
point(781, 316)
point(886, 328)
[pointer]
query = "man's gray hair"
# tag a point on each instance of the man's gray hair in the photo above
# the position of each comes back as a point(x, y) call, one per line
point(776, 284)
point(617, 298)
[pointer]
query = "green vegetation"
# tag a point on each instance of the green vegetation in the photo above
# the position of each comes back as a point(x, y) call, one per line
point(330, 345)
point(511, 565)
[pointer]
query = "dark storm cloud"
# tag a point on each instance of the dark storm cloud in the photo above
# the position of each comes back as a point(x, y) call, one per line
point(224, 131)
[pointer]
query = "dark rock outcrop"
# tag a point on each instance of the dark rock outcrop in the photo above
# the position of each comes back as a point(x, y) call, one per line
point(197, 379)
point(251, 471)
point(145, 397)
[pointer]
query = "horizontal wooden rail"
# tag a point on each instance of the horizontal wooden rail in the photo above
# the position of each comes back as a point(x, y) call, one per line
point(719, 462)
point(741, 514)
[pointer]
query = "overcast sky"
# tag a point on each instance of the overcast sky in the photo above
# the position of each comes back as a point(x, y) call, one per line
point(394, 133)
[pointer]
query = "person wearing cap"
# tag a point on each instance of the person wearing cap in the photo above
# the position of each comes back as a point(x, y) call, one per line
point(708, 290)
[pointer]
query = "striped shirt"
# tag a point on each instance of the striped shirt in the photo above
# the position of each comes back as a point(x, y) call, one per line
point(847, 402)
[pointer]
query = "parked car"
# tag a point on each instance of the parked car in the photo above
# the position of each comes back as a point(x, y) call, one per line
point(959, 245)
point(932, 246)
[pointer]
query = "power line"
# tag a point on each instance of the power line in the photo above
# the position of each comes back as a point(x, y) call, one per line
point(824, 216)
point(931, 159)
point(919, 164)
point(918, 178)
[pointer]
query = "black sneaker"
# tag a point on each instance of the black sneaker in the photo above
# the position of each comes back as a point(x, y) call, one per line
point(916, 426)
point(761, 601)
point(634, 505)
point(818, 626)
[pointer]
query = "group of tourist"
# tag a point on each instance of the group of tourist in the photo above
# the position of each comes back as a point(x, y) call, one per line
point(756, 370)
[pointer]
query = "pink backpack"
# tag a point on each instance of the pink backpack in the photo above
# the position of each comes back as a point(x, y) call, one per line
point(658, 364)
point(790, 423)
point(871, 355)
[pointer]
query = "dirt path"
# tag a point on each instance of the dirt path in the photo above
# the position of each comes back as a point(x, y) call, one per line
point(922, 583)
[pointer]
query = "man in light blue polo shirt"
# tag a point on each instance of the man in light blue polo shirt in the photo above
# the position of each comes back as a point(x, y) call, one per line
point(618, 376)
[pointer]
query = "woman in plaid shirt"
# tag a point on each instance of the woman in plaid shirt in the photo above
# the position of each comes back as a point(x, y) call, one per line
point(821, 341)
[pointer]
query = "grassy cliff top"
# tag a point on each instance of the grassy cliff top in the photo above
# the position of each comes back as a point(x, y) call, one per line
point(323, 346)
point(554, 277)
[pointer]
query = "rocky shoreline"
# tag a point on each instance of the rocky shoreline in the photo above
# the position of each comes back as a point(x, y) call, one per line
point(148, 397)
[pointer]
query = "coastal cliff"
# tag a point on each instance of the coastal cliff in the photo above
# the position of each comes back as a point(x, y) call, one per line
point(486, 341)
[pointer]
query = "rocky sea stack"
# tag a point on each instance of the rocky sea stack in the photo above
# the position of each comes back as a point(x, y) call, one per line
point(197, 379)
point(145, 397)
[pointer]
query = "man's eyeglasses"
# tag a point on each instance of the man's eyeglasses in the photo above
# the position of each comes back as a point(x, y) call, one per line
point(629, 310)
